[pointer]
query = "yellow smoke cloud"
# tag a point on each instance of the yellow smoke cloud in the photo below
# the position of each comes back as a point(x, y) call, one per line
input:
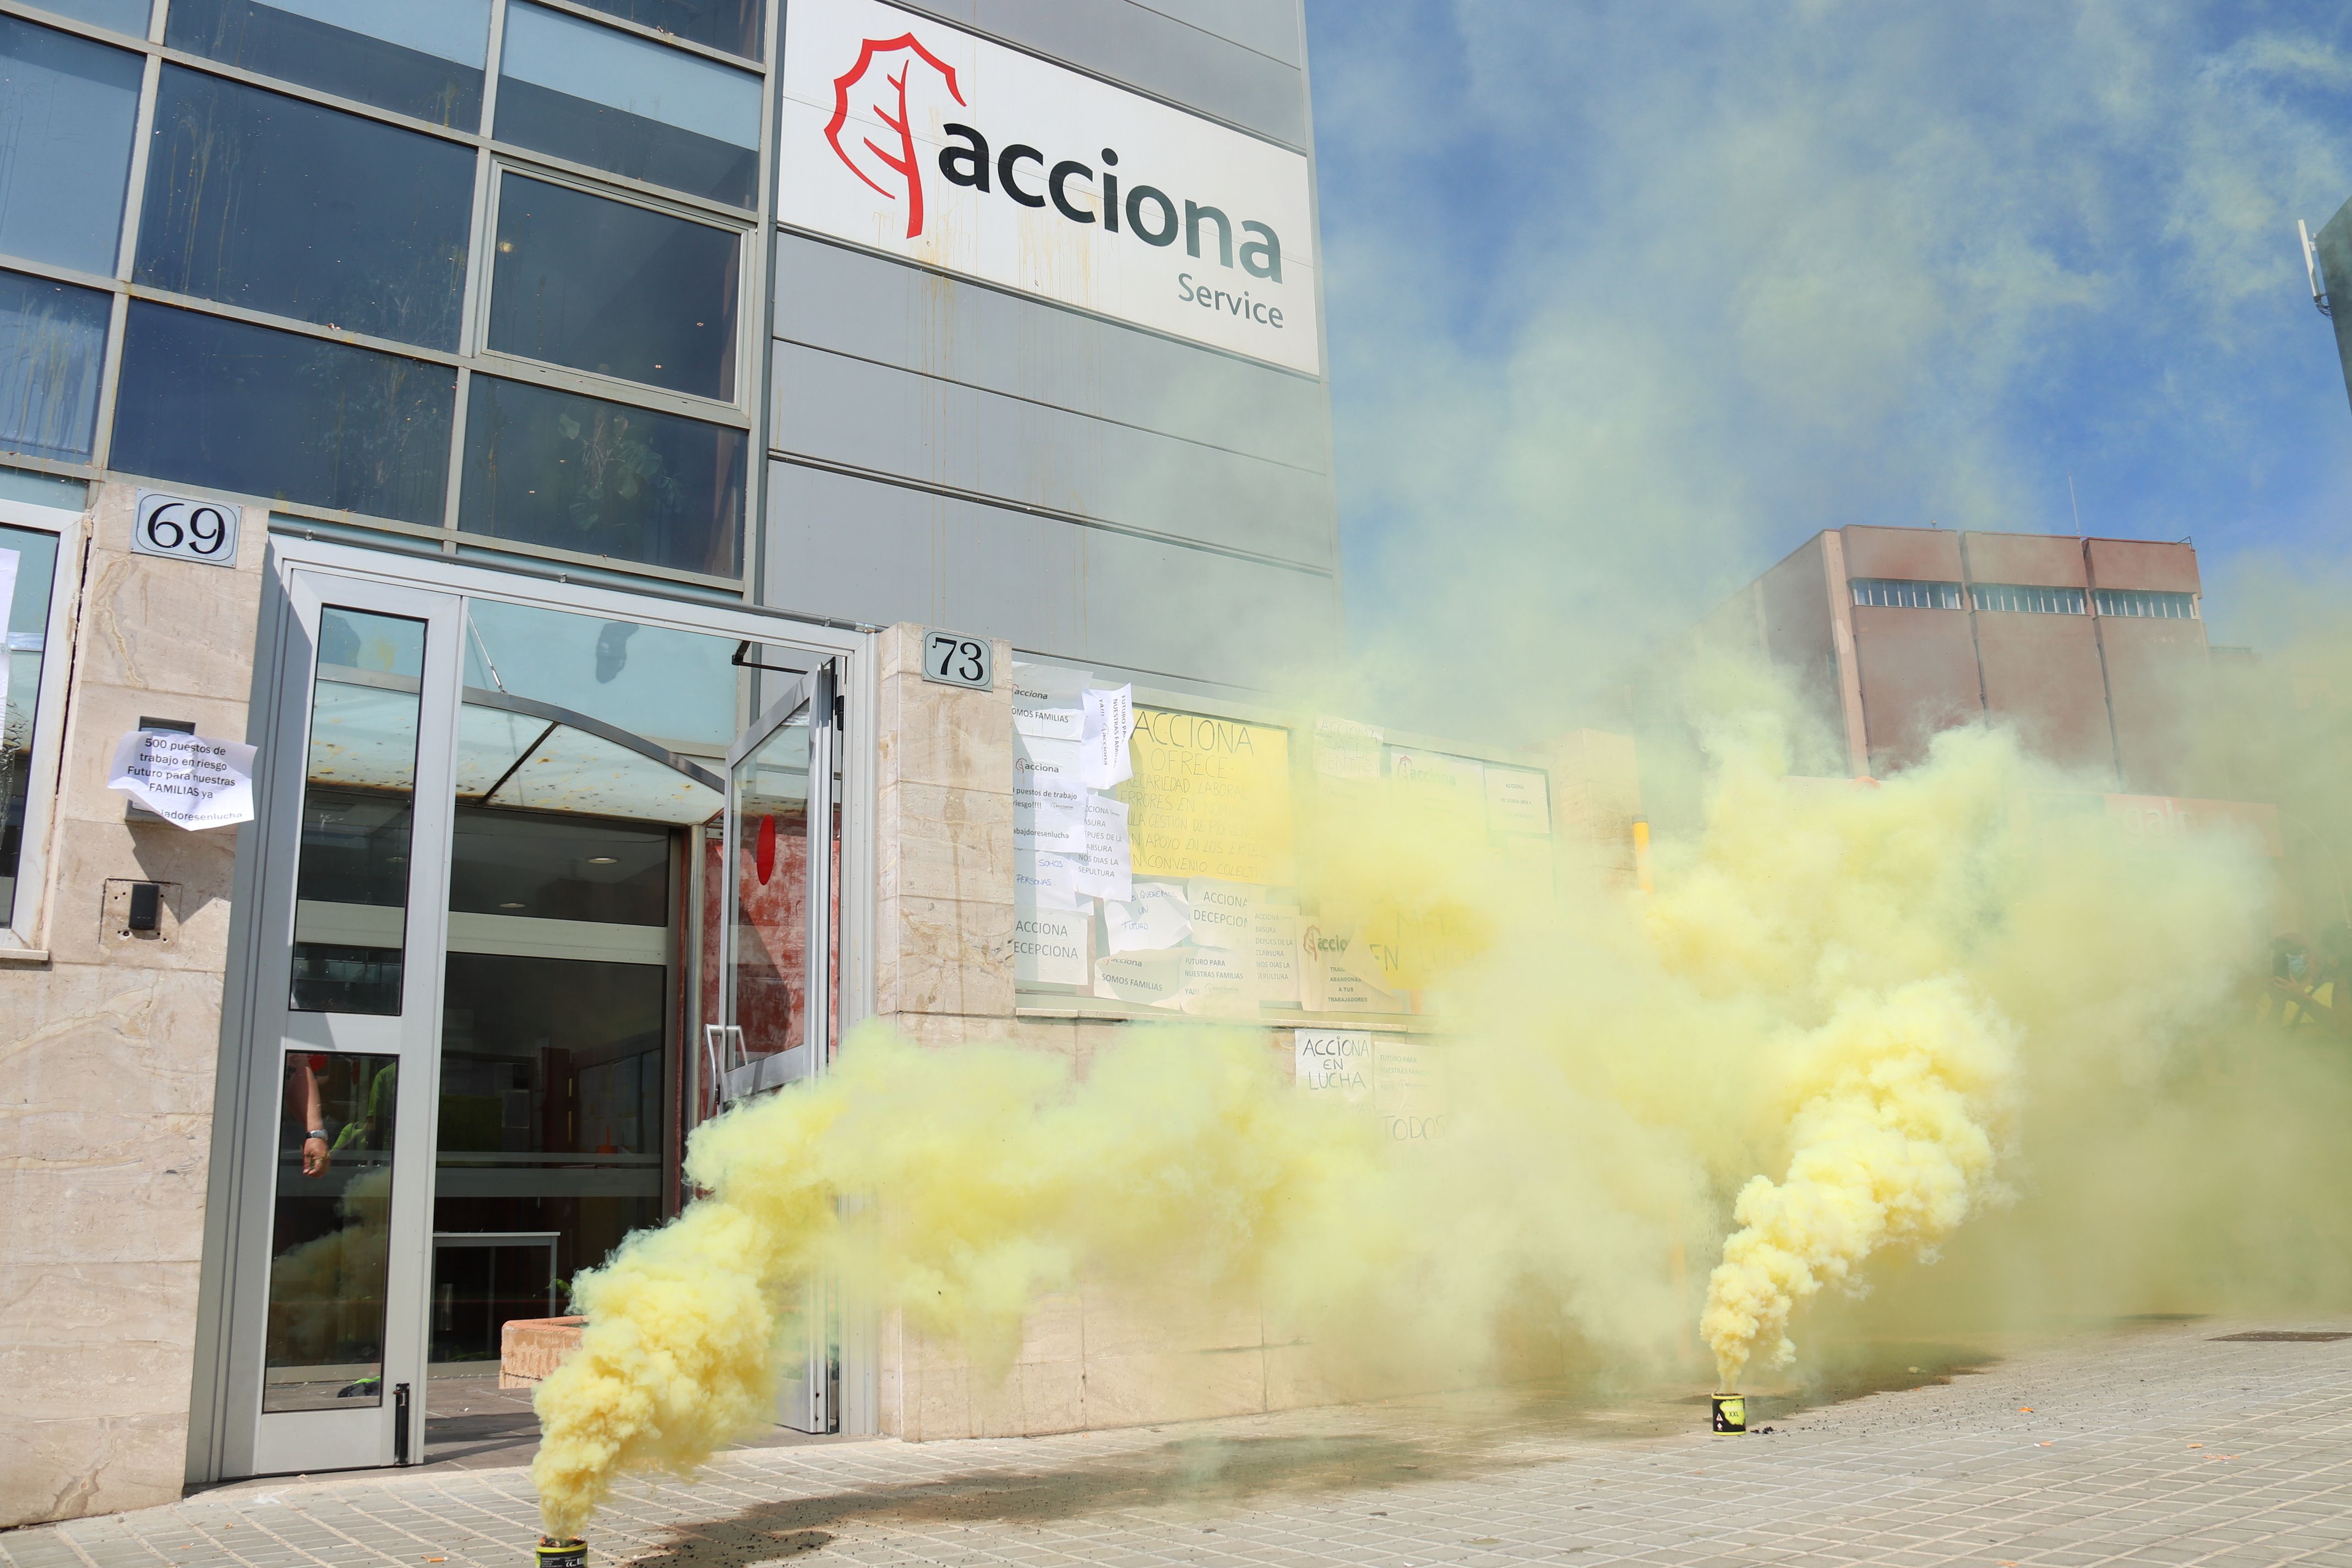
point(1932, 1014)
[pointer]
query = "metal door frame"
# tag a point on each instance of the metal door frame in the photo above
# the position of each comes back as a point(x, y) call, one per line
point(224, 1404)
point(391, 1429)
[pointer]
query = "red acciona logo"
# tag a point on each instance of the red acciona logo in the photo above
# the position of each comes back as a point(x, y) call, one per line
point(886, 101)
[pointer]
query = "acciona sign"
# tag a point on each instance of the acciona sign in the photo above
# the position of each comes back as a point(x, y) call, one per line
point(912, 137)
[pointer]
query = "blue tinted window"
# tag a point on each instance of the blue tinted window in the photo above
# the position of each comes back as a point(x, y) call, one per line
point(68, 110)
point(578, 473)
point(122, 16)
point(208, 400)
point(603, 98)
point(52, 349)
point(419, 57)
point(261, 200)
point(729, 25)
point(615, 289)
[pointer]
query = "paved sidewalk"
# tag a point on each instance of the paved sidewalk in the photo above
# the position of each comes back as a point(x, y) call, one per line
point(2154, 1443)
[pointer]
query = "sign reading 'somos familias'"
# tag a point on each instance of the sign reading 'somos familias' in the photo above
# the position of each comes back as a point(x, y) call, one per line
point(912, 137)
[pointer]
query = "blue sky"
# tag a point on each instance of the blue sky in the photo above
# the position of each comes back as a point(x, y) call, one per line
point(1628, 298)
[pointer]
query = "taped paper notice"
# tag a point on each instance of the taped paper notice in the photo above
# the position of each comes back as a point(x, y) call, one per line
point(1049, 806)
point(185, 779)
point(1217, 981)
point(1346, 750)
point(1438, 779)
point(1048, 702)
point(1041, 873)
point(1274, 953)
point(1224, 914)
point(1109, 726)
point(1106, 870)
point(1348, 989)
point(1212, 798)
point(1518, 800)
point(1156, 918)
point(1409, 1089)
point(1336, 1062)
point(1142, 980)
point(1051, 945)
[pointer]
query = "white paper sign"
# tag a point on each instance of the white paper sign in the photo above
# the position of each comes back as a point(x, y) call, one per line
point(1224, 914)
point(1218, 981)
point(1437, 776)
point(1109, 725)
point(1048, 702)
point(1517, 801)
point(1409, 1089)
point(1334, 1061)
point(185, 779)
point(1049, 806)
point(1156, 918)
point(1107, 869)
point(1041, 873)
point(1051, 945)
point(1274, 953)
point(1209, 237)
point(1346, 750)
point(1141, 979)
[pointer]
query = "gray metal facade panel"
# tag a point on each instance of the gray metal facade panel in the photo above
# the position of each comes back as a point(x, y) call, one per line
point(852, 548)
point(910, 426)
point(1147, 49)
point(1269, 26)
point(869, 307)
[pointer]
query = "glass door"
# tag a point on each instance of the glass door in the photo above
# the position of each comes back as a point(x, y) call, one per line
point(780, 997)
point(336, 1167)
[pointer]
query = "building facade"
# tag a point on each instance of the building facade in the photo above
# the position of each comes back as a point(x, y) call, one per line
point(2093, 649)
point(545, 432)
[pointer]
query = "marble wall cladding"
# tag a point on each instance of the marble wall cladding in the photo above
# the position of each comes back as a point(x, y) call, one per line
point(108, 1050)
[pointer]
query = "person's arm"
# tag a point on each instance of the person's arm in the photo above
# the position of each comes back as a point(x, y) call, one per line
point(315, 1155)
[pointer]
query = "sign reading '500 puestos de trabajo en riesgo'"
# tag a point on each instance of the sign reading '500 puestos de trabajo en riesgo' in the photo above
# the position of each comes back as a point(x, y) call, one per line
point(915, 138)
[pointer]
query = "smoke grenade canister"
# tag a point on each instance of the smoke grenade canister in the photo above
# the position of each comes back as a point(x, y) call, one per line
point(1730, 1412)
point(554, 1553)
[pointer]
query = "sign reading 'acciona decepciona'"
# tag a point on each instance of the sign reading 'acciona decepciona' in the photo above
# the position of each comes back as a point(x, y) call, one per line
point(911, 137)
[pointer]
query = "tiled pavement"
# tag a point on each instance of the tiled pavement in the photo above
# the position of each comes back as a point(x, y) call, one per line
point(2154, 1443)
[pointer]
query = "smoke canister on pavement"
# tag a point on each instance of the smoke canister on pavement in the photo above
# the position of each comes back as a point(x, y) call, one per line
point(1730, 1415)
point(554, 1553)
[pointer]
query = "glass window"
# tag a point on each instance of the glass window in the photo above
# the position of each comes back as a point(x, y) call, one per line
point(729, 25)
point(1903, 593)
point(52, 349)
point(122, 16)
point(618, 289)
point(359, 798)
point(265, 201)
point(613, 102)
point(676, 688)
point(419, 57)
point(331, 1247)
point(213, 402)
point(2028, 599)
point(28, 564)
point(577, 473)
point(68, 110)
point(2146, 604)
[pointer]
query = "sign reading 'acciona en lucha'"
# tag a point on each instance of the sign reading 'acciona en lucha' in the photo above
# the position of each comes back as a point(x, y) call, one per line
point(911, 137)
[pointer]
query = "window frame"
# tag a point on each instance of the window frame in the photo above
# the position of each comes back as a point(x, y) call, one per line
point(25, 923)
point(493, 159)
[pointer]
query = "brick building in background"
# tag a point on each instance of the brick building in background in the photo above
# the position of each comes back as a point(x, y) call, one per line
point(2092, 648)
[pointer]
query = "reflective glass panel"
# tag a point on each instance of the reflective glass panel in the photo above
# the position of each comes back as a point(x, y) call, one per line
point(28, 561)
point(69, 110)
point(351, 921)
point(578, 473)
point(772, 930)
point(551, 868)
point(729, 25)
point(604, 98)
point(208, 400)
point(331, 1240)
point(52, 351)
point(419, 57)
point(265, 201)
point(123, 15)
point(676, 688)
point(619, 289)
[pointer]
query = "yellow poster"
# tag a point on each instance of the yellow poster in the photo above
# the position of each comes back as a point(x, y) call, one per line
point(1211, 797)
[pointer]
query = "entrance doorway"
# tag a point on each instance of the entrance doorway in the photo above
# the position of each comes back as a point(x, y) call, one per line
point(497, 975)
